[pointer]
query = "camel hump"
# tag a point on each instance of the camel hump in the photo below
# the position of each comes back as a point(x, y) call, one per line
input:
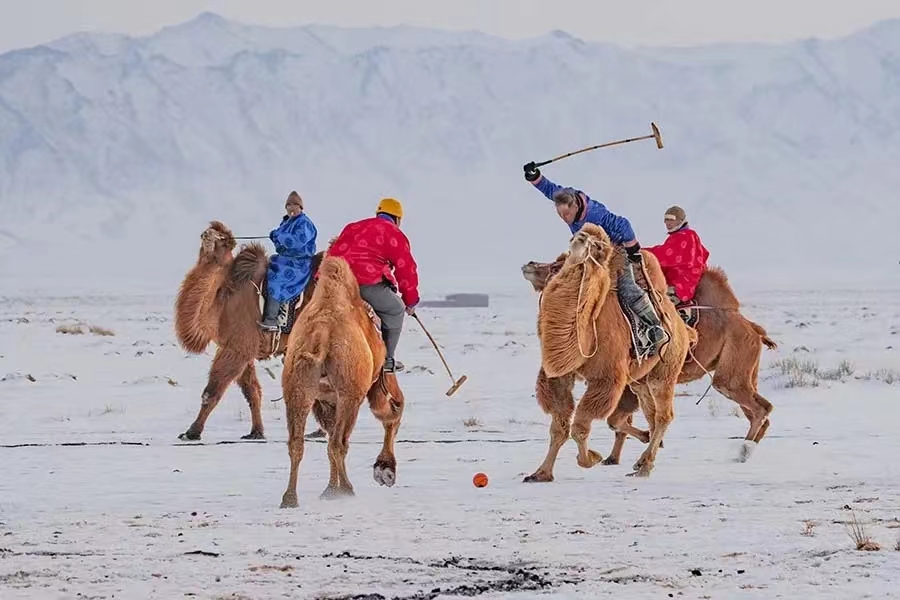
point(250, 264)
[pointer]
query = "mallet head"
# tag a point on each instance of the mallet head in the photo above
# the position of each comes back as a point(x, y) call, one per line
point(656, 135)
point(456, 385)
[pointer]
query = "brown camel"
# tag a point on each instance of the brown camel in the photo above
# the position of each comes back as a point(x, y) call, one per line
point(585, 335)
point(219, 302)
point(330, 370)
point(728, 344)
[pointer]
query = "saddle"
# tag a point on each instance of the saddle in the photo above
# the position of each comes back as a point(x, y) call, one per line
point(642, 346)
point(687, 309)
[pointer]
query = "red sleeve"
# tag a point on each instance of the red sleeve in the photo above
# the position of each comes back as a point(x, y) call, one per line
point(405, 268)
point(665, 252)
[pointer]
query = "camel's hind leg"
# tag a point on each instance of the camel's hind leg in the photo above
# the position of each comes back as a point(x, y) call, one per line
point(226, 367)
point(297, 405)
point(599, 402)
point(386, 403)
point(658, 404)
point(621, 422)
point(555, 398)
point(736, 382)
point(252, 391)
point(348, 405)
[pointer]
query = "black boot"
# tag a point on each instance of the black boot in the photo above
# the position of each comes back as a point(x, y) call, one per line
point(270, 314)
point(644, 309)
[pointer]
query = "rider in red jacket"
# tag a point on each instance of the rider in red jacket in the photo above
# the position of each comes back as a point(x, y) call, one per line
point(380, 257)
point(682, 256)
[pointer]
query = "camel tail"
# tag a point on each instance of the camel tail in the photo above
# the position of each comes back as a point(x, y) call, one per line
point(769, 343)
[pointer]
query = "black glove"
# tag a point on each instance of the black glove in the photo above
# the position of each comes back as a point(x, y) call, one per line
point(634, 253)
point(532, 173)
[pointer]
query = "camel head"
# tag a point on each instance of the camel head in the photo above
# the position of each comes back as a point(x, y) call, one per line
point(216, 242)
point(538, 274)
point(591, 243)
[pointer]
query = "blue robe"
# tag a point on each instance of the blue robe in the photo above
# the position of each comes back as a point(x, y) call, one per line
point(289, 270)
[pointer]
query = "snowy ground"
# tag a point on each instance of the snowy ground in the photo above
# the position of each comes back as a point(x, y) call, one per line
point(124, 515)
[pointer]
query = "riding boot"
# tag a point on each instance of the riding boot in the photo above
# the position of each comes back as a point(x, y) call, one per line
point(391, 338)
point(644, 309)
point(270, 314)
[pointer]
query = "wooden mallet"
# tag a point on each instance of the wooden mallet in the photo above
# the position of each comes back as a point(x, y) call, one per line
point(655, 135)
point(457, 383)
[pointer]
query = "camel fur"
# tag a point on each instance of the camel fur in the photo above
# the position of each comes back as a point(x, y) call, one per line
point(218, 301)
point(728, 346)
point(584, 335)
point(330, 370)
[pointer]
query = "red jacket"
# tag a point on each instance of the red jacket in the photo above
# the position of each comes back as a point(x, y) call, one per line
point(375, 248)
point(683, 259)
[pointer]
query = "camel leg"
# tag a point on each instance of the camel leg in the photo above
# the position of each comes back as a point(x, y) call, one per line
point(387, 408)
point(348, 406)
point(657, 399)
point(297, 407)
point(736, 388)
point(599, 402)
point(555, 398)
point(226, 367)
point(620, 421)
point(252, 391)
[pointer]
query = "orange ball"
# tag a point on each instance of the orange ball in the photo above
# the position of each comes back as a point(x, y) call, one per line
point(480, 480)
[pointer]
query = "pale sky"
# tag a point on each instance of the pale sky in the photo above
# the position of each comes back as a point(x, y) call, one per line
point(625, 22)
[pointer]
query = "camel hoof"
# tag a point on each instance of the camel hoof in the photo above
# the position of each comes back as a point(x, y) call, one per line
point(334, 493)
point(593, 458)
point(746, 451)
point(191, 436)
point(254, 435)
point(611, 461)
point(385, 475)
point(538, 477)
point(642, 472)
point(289, 500)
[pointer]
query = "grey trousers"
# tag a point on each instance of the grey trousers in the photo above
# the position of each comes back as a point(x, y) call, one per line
point(389, 308)
point(629, 290)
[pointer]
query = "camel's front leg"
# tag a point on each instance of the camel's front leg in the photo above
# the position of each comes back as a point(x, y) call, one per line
point(554, 396)
point(620, 421)
point(226, 367)
point(598, 402)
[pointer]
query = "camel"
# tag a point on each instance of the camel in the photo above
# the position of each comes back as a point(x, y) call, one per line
point(584, 335)
point(330, 370)
point(728, 344)
point(218, 301)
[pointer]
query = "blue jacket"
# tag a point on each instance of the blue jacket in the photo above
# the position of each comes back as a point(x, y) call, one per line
point(289, 270)
point(618, 228)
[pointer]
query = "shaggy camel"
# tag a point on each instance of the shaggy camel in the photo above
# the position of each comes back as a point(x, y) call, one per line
point(219, 302)
point(584, 335)
point(330, 370)
point(728, 344)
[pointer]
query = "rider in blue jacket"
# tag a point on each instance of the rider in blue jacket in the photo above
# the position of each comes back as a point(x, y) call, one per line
point(289, 269)
point(576, 208)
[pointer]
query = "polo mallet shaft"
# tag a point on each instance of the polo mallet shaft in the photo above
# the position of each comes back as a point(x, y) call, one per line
point(655, 135)
point(457, 383)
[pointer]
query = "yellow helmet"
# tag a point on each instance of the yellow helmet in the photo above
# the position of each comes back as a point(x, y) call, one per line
point(391, 207)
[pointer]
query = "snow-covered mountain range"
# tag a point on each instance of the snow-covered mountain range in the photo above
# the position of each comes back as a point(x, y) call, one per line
point(115, 151)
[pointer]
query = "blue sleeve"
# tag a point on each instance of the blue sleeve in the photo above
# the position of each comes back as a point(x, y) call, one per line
point(547, 187)
point(293, 236)
point(618, 228)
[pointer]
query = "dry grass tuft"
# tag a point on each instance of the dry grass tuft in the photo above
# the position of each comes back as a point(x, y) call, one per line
point(809, 527)
point(97, 330)
point(70, 330)
point(472, 423)
point(860, 536)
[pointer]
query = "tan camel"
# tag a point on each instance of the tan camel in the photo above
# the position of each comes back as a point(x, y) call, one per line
point(330, 370)
point(585, 335)
point(728, 344)
point(219, 302)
